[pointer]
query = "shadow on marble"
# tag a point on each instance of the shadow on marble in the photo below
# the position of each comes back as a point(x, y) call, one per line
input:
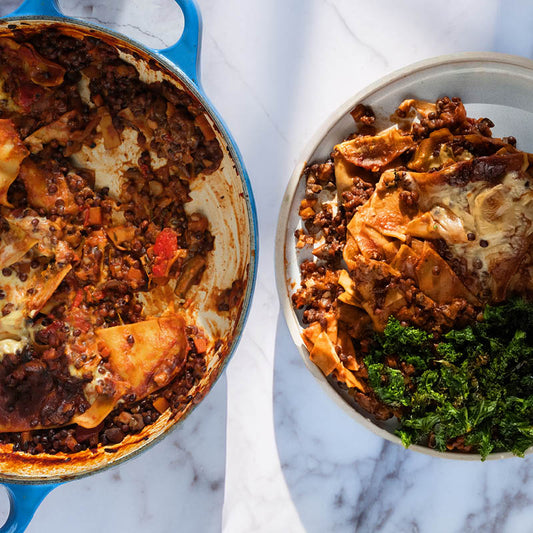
point(177, 485)
point(512, 32)
point(8, 6)
point(134, 18)
point(343, 478)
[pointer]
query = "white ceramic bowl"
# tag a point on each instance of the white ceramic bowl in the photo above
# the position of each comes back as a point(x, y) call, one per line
point(496, 86)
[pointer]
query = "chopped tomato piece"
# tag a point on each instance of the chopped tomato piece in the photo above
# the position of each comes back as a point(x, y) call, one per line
point(165, 248)
point(166, 244)
point(78, 321)
point(159, 269)
point(78, 298)
point(27, 95)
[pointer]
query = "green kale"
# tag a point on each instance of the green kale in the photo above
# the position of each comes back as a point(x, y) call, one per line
point(388, 383)
point(411, 345)
point(448, 351)
point(473, 386)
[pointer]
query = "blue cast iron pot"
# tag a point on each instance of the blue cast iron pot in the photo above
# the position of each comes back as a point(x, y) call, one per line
point(226, 198)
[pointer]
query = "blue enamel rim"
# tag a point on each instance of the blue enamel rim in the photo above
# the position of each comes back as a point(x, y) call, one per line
point(182, 60)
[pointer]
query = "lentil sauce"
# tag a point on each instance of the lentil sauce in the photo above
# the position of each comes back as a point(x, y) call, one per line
point(88, 253)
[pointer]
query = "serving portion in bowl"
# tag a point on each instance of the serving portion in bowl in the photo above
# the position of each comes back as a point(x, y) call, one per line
point(412, 239)
point(126, 250)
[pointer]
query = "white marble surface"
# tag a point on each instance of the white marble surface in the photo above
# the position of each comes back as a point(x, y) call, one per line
point(268, 451)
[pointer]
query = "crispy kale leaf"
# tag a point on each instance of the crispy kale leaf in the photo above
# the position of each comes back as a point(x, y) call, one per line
point(472, 386)
point(388, 384)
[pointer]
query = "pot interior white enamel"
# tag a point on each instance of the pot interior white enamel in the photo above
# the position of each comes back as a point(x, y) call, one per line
point(490, 85)
point(224, 198)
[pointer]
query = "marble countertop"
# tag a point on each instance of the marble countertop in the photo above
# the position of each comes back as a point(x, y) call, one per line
point(268, 450)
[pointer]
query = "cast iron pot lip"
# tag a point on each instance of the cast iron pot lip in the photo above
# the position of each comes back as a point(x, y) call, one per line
point(230, 145)
point(483, 58)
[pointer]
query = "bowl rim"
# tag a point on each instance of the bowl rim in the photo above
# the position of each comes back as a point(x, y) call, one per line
point(281, 260)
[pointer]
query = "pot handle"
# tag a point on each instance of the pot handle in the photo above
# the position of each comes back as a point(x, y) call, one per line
point(24, 500)
point(45, 8)
point(186, 52)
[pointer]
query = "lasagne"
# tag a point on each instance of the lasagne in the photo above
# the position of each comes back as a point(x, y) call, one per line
point(425, 223)
point(98, 253)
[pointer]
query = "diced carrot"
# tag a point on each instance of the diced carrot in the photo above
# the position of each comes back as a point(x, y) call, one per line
point(93, 216)
point(307, 213)
point(161, 404)
point(201, 344)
